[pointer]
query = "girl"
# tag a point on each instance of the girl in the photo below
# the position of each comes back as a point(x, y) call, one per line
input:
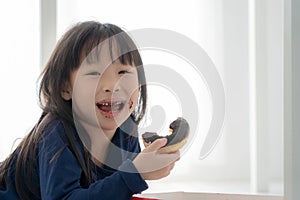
point(85, 145)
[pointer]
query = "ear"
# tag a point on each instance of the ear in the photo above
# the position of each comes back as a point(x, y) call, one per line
point(66, 91)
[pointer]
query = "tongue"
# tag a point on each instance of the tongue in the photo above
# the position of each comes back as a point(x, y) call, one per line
point(105, 108)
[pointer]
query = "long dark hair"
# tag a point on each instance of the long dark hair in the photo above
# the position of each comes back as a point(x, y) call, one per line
point(67, 56)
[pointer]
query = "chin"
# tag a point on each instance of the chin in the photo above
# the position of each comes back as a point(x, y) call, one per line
point(112, 123)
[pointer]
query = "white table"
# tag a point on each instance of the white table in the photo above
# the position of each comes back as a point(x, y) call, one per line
point(208, 196)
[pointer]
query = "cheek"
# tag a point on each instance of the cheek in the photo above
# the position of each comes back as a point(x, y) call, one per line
point(84, 101)
point(134, 98)
point(130, 84)
point(133, 91)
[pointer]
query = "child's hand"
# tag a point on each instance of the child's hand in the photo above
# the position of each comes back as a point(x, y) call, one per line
point(152, 165)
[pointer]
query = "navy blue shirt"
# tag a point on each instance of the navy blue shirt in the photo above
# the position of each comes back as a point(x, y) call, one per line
point(62, 177)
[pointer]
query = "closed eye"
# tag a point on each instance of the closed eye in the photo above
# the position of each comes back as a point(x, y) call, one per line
point(93, 74)
point(124, 72)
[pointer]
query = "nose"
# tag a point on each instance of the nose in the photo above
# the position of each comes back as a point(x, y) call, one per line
point(109, 84)
point(111, 90)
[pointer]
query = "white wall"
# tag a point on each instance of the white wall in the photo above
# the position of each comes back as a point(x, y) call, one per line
point(274, 58)
point(268, 70)
point(19, 55)
point(291, 99)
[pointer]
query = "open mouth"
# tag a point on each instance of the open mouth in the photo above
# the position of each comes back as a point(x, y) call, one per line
point(111, 108)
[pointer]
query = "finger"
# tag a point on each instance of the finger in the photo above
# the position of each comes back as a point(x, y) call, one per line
point(167, 170)
point(157, 144)
point(172, 166)
point(175, 156)
point(178, 155)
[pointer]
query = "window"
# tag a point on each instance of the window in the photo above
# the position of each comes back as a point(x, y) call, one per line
point(243, 39)
point(225, 32)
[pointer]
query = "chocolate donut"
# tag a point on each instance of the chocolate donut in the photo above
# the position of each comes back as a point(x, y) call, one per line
point(177, 139)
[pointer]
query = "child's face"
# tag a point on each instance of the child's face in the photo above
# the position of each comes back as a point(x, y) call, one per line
point(104, 97)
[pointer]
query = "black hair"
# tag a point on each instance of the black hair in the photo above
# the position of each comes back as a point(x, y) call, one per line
point(67, 56)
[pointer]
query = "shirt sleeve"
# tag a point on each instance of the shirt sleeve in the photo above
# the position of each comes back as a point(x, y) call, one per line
point(60, 177)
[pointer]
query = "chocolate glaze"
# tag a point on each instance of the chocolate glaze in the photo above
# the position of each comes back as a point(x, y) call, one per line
point(180, 129)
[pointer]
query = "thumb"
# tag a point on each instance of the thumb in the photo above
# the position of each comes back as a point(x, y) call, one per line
point(157, 144)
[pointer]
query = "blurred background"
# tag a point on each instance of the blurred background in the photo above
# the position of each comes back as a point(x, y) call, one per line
point(243, 38)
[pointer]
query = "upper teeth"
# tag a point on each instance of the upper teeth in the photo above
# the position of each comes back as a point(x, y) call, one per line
point(107, 104)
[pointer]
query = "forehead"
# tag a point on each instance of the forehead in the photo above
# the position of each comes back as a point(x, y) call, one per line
point(103, 62)
point(114, 48)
